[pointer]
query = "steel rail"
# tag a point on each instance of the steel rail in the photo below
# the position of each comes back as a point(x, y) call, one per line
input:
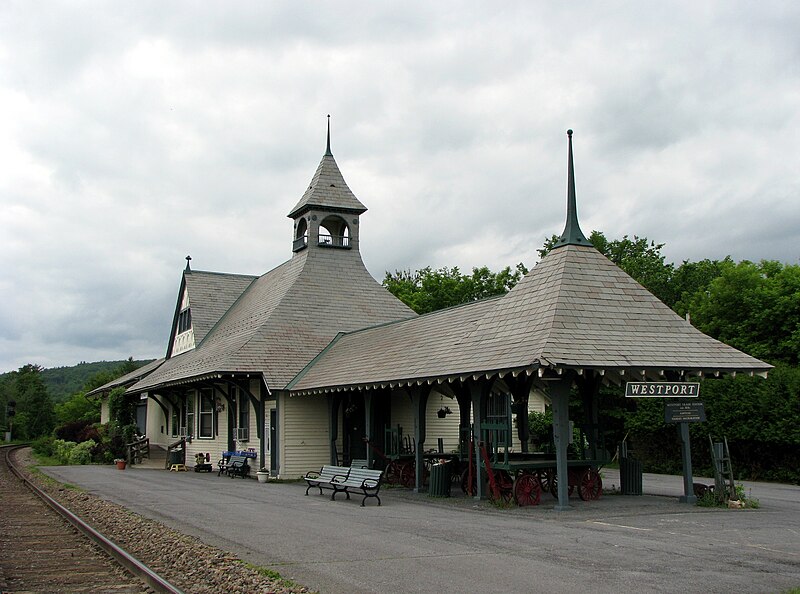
point(120, 555)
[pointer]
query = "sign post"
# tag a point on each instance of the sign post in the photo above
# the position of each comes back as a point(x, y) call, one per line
point(681, 412)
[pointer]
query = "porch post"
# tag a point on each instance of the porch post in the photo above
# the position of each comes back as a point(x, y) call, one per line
point(559, 394)
point(419, 400)
point(368, 418)
point(479, 390)
point(333, 425)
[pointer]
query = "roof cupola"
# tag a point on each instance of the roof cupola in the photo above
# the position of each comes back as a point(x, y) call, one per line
point(327, 215)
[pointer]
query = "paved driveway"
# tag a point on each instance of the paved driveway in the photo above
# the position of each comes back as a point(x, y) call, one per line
point(413, 543)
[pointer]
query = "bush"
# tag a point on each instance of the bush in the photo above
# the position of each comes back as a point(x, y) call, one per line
point(44, 446)
point(82, 453)
point(63, 450)
point(77, 431)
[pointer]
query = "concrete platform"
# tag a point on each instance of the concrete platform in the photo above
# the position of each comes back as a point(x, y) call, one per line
point(414, 543)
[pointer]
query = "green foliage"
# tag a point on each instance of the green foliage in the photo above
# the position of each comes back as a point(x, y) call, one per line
point(429, 290)
point(35, 416)
point(78, 408)
point(62, 450)
point(540, 427)
point(44, 446)
point(753, 307)
point(82, 453)
point(63, 382)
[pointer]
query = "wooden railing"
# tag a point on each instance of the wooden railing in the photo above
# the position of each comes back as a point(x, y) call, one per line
point(138, 450)
point(334, 241)
point(177, 446)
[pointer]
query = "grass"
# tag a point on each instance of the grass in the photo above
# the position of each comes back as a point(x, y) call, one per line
point(272, 575)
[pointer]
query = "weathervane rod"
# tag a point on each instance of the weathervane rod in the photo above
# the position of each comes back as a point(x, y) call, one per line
point(328, 149)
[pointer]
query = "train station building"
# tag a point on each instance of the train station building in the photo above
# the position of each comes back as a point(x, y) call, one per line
point(315, 362)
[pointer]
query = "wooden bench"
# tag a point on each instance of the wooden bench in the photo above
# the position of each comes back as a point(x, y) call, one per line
point(325, 477)
point(364, 481)
point(359, 463)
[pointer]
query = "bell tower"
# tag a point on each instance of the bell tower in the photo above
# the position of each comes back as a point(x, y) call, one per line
point(327, 215)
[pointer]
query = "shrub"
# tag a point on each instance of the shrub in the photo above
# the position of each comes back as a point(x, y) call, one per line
point(44, 446)
point(62, 450)
point(81, 453)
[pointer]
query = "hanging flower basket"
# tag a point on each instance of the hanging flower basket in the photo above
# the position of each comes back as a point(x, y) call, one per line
point(443, 412)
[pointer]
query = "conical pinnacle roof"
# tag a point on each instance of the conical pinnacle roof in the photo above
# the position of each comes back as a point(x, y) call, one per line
point(328, 191)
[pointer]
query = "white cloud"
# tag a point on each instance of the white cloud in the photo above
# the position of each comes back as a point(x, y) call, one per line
point(133, 135)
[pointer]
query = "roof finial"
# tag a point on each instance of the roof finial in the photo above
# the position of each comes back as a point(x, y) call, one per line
point(188, 259)
point(572, 234)
point(328, 152)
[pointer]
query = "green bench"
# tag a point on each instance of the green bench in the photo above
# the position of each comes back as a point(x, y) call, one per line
point(325, 478)
point(364, 481)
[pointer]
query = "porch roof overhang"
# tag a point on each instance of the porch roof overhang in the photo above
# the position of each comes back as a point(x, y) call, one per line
point(543, 372)
point(198, 379)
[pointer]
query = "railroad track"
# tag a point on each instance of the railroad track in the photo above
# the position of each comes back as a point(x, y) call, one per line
point(46, 548)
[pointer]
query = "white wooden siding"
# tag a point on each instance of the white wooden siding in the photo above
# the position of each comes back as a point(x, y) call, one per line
point(304, 443)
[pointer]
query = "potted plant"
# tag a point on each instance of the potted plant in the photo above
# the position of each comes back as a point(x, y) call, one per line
point(443, 412)
point(121, 463)
point(262, 475)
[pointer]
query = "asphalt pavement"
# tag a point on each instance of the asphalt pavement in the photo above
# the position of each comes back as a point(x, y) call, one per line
point(415, 543)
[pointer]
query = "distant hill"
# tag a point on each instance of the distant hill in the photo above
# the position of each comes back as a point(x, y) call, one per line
point(63, 382)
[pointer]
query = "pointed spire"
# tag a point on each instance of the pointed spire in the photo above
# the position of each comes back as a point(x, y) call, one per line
point(328, 152)
point(188, 259)
point(572, 234)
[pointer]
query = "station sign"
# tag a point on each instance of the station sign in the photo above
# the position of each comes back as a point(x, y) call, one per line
point(684, 412)
point(662, 390)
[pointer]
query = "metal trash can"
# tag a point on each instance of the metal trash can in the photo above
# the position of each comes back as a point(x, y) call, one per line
point(439, 481)
point(630, 476)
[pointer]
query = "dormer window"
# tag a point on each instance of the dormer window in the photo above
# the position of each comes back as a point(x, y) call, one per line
point(184, 320)
point(184, 335)
point(334, 233)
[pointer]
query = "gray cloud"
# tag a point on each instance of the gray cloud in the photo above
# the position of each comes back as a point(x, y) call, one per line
point(136, 134)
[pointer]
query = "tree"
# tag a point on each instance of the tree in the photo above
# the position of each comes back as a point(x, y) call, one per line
point(35, 416)
point(429, 290)
point(754, 308)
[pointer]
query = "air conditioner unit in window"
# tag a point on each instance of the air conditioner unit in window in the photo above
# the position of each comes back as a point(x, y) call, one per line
point(242, 433)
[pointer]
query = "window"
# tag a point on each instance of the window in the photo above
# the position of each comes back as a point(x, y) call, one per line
point(190, 414)
point(174, 421)
point(244, 410)
point(184, 320)
point(206, 421)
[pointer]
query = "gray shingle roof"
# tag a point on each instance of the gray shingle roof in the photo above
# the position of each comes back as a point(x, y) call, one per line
point(285, 318)
point(575, 309)
point(328, 191)
point(210, 295)
point(128, 378)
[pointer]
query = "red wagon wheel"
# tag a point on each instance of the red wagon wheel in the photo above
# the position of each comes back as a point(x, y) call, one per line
point(554, 486)
point(393, 473)
point(505, 486)
point(527, 490)
point(545, 478)
point(408, 478)
point(590, 486)
point(465, 482)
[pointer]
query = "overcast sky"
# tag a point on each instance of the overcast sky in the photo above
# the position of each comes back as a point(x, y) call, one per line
point(135, 133)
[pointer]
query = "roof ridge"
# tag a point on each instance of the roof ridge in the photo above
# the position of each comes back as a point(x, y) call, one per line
point(241, 296)
point(221, 273)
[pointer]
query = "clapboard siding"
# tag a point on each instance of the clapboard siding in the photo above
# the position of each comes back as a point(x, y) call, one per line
point(303, 427)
